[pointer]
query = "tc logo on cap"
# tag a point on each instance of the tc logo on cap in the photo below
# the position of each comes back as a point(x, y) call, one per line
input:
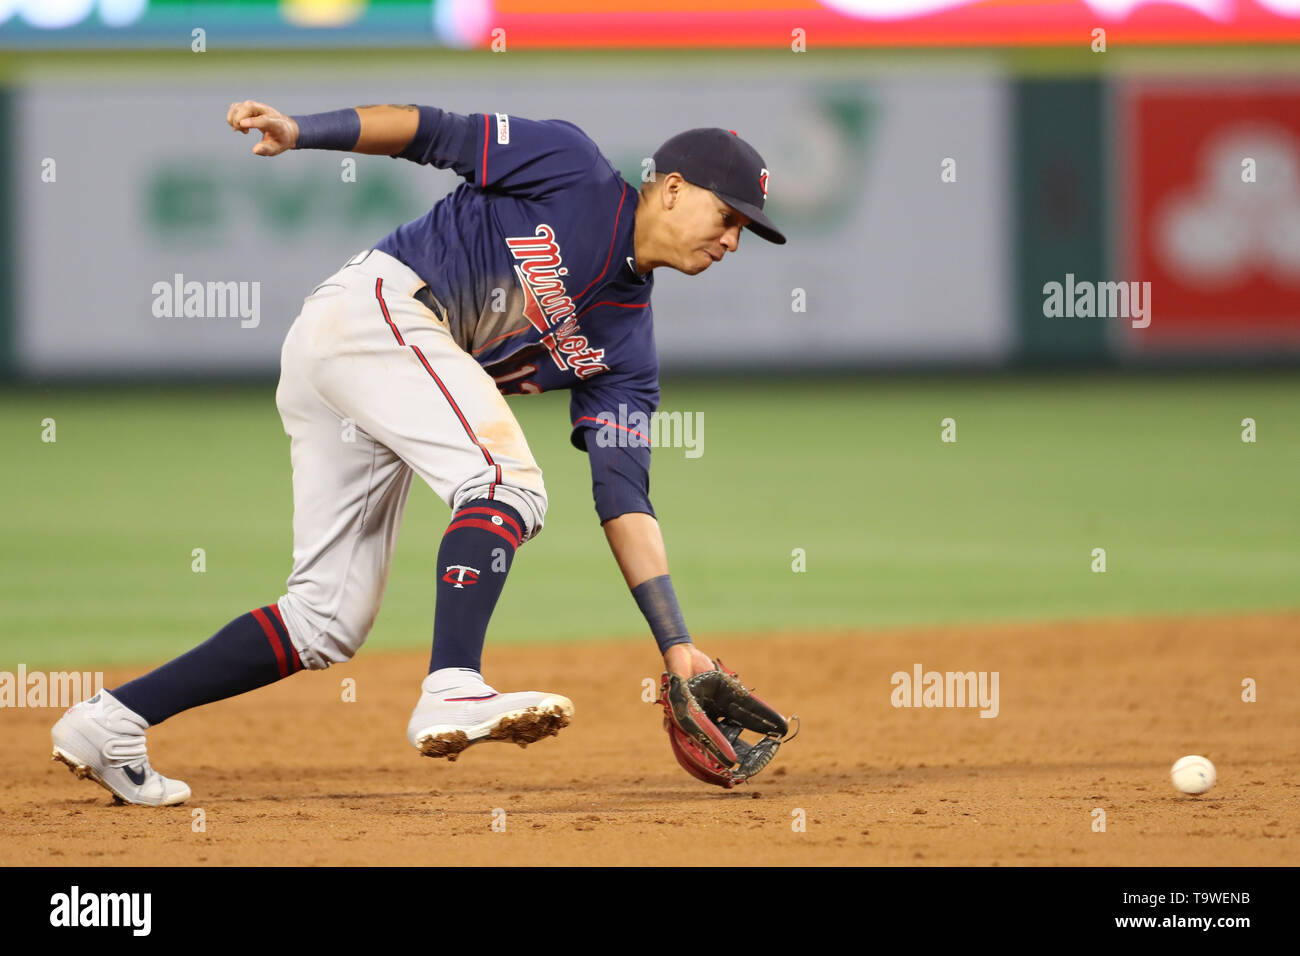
point(762, 181)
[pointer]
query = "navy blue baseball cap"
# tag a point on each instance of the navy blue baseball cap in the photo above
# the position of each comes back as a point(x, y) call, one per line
point(720, 161)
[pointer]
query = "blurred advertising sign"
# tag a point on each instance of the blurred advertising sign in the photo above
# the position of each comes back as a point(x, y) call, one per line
point(186, 254)
point(884, 23)
point(198, 24)
point(577, 24)
point(1210, 212)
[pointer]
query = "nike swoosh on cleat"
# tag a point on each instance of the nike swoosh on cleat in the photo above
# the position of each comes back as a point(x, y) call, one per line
point(484, 697)
point(134, 775)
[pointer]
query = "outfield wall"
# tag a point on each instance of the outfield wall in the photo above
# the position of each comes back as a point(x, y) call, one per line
point(928, 205)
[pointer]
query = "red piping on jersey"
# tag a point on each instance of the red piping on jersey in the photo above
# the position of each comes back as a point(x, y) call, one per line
point(609, 255)
point(379, 294)
point(621, 305)
point(589, 418)
point(505, 335)
point(485, 142)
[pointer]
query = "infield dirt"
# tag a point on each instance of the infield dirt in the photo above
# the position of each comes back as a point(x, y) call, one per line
point(1090, 716)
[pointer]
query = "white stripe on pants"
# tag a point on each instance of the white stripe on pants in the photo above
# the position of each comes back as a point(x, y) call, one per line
point(373, 388)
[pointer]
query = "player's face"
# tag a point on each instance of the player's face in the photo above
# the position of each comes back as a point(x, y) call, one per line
point(708, 229)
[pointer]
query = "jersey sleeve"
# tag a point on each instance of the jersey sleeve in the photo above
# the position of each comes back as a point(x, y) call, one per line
point(615, 405)
point(508, 154)
point(611, 422)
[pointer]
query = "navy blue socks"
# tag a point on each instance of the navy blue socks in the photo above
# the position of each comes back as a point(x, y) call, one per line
point(473, 561)
point(254, 649)
point(251, 651)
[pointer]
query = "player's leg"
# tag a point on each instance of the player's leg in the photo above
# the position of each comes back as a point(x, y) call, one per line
point(349, 495)
point(446, 418)
point(350, 489)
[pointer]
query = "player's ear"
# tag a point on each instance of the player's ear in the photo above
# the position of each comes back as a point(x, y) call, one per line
point(672, 189)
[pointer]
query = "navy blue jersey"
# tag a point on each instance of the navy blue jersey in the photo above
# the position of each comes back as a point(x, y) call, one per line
point(533, 261)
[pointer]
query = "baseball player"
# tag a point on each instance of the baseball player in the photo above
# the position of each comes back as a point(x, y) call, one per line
point(534, 274)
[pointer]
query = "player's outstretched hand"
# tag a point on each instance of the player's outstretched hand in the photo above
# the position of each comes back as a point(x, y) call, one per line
point(279, 132)
point(705, 716)
point(685, 660)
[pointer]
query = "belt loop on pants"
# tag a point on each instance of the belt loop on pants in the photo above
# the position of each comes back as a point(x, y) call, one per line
point(359, 258)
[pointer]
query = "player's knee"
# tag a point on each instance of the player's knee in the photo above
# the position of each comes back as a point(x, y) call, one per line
point(323, 636)
point(529, 500)
point(336, 644)
point(535, 503)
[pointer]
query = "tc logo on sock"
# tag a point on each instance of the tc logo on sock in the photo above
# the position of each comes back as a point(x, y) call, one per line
point(460, 575)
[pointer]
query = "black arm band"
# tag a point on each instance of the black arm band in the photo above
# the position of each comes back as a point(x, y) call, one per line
point(338, 129)
point(658, 603)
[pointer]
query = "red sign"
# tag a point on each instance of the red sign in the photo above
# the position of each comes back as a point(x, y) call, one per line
point(1210, 211)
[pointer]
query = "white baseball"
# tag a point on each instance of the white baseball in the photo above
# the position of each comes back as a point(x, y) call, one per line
point(1193, 774)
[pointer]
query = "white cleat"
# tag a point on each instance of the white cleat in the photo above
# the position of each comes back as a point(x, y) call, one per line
point(448, 719)
point(102, 740)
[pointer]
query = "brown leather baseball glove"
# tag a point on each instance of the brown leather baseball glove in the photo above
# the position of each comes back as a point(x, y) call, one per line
point(705, 716)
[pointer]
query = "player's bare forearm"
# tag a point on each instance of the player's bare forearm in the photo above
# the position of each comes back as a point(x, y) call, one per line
point(638, 547)
point(386, 130)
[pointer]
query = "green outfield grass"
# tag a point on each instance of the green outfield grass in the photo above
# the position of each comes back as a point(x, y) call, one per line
point(898, 528)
